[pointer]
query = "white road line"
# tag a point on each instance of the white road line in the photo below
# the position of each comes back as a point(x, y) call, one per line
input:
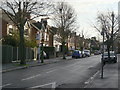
point(31, 77)
point(53, 85)
point(51, 71)
point(91, 79)
point(5, 85)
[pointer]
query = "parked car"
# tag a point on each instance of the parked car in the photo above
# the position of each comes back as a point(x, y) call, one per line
point(87, 53)
point(83, 54)
point(113, 57)
point(97, 52)
point(76, 54)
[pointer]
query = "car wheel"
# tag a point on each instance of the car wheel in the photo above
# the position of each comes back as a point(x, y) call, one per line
point(115, 61)
point(104, 62)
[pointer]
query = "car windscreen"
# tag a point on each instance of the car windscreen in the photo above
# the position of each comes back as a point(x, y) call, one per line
point(76, 51)
point(105, 54)
point(111, 54)
point(86, 51)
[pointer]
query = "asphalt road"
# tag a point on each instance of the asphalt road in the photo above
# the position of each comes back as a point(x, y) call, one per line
point(66, 74)
point(119, 71)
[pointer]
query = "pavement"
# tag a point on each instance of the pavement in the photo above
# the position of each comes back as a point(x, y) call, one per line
point(15, 65)
point(110, 77)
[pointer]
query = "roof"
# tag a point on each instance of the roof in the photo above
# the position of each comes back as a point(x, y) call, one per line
point(37, 25)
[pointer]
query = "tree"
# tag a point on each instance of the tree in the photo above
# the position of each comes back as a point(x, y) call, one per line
point(108, 22)
point(21, 11)
point(64, 20)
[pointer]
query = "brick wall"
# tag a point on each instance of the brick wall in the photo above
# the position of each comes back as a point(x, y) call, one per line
point(33, 33)
point(4, 28)
point(51, 40)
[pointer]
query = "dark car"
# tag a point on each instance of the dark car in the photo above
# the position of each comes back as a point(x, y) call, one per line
point(76, 54)
point(113, 57)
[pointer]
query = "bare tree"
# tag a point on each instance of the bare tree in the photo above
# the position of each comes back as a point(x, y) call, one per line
point(21, 11)
point(64, 20)
point(109, 22)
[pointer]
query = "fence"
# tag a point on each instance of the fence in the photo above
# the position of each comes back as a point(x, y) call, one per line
point(10, 53)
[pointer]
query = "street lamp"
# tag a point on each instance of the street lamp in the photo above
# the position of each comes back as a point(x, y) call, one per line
point(102, 64)
point(112, 15)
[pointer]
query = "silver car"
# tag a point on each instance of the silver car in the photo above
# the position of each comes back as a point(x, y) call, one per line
point(113, 57)
point(87, 53)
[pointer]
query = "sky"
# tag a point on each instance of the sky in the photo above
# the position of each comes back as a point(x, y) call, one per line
point(87, 11)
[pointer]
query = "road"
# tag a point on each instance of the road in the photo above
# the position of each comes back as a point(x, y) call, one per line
point(68, 73)
point(118, 70)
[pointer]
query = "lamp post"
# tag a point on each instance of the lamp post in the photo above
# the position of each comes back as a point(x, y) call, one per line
point(112, 15)
point(102, 64)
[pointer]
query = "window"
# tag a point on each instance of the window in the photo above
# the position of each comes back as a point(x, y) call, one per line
point(10, 29)
point(26, 31)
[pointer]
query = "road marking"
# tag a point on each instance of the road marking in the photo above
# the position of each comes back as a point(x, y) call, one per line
point(5, 85)
point(31, 77)
point(53, 85)
point(91, 79)
point(51, 71)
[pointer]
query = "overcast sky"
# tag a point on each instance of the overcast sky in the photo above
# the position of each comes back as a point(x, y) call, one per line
point(87, 11)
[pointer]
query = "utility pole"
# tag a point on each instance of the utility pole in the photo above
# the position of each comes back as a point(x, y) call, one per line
point(102, 64)
point(112, 30)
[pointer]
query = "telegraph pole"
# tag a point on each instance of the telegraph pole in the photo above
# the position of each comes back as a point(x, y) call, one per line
point(102, 64)
point(112, 15)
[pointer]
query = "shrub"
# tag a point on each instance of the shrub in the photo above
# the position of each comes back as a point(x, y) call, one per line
point(10, 40)
point(29, 43)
